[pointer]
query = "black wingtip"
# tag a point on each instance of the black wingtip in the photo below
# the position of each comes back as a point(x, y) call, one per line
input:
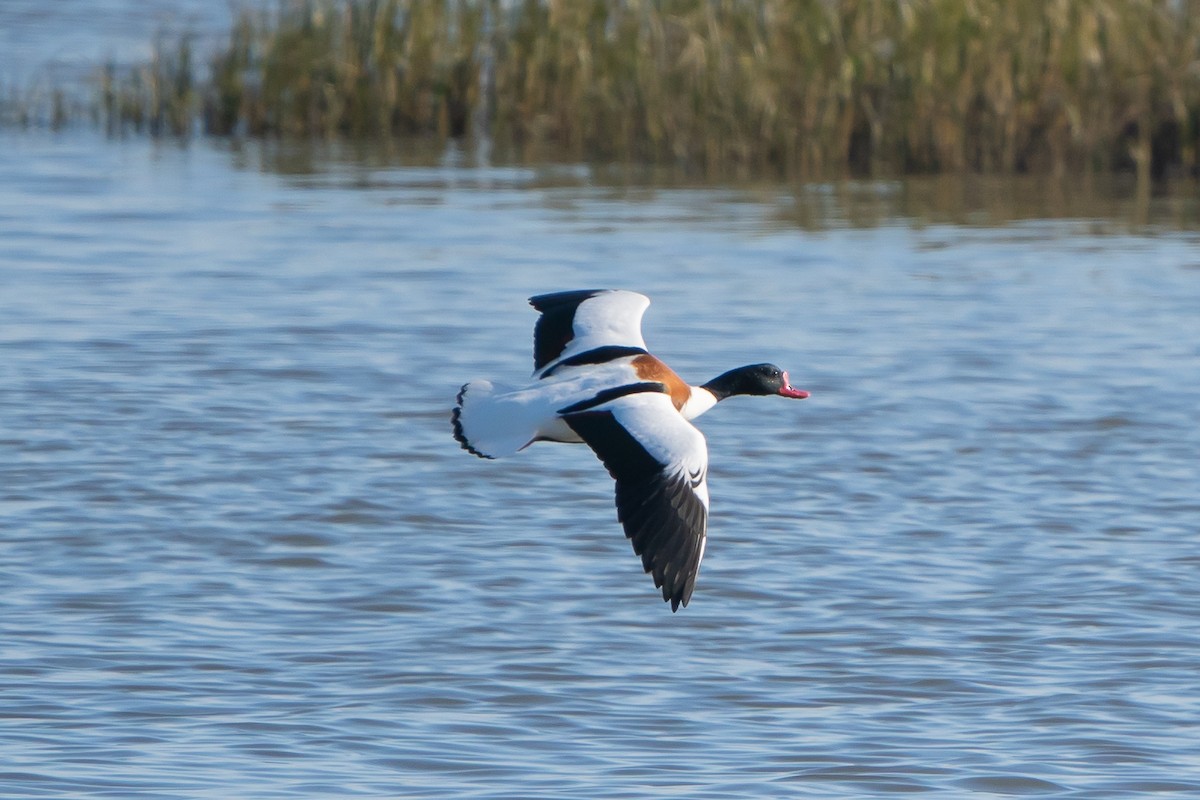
point(555, 329)
point(682, 595)
point(543, 302)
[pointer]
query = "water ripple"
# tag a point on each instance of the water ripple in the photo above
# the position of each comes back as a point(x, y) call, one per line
point(242, 556)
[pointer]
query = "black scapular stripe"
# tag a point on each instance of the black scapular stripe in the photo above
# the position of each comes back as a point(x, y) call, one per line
point(605, 395)
point(597, 355)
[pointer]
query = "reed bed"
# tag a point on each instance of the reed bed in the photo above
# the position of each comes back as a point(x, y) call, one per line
point(801, 87)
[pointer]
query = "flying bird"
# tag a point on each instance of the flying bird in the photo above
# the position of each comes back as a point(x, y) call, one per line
point(594, 382)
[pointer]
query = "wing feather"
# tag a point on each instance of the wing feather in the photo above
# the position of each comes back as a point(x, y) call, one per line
point(572, 323)
point(659, 461)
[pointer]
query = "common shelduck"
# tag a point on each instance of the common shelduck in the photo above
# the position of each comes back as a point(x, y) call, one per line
point(594, 382)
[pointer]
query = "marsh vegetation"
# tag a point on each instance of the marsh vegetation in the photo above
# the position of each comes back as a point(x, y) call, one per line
point(799, 87)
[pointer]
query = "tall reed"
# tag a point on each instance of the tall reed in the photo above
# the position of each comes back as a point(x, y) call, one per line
point(795, 86)
point(375, 67)
point(158, 96)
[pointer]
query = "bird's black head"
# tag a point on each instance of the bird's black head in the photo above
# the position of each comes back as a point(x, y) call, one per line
point(755, 379)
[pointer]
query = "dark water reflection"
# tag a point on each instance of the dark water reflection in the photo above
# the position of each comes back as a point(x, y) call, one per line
point(241, 555)
point(1095, 204)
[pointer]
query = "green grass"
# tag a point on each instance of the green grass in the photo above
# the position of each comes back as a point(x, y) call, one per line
point(796, 87)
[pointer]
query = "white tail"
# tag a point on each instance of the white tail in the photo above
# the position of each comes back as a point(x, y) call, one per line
point(489, 422)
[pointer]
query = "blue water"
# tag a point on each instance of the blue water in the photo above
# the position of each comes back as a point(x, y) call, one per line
point(42, 44)
point(241, 556)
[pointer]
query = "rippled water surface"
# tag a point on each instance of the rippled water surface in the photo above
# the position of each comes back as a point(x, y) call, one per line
point(242, 557)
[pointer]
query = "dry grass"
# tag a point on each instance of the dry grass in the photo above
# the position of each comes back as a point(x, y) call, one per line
point(800, 87)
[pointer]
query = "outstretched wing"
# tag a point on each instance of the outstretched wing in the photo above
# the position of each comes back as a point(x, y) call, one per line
point(660, 463)
point(573, 324)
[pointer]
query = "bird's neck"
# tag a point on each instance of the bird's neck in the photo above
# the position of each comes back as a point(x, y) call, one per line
point(699, 401)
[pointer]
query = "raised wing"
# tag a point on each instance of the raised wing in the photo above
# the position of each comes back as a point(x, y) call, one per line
point(660, 463)
point(574, 323)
